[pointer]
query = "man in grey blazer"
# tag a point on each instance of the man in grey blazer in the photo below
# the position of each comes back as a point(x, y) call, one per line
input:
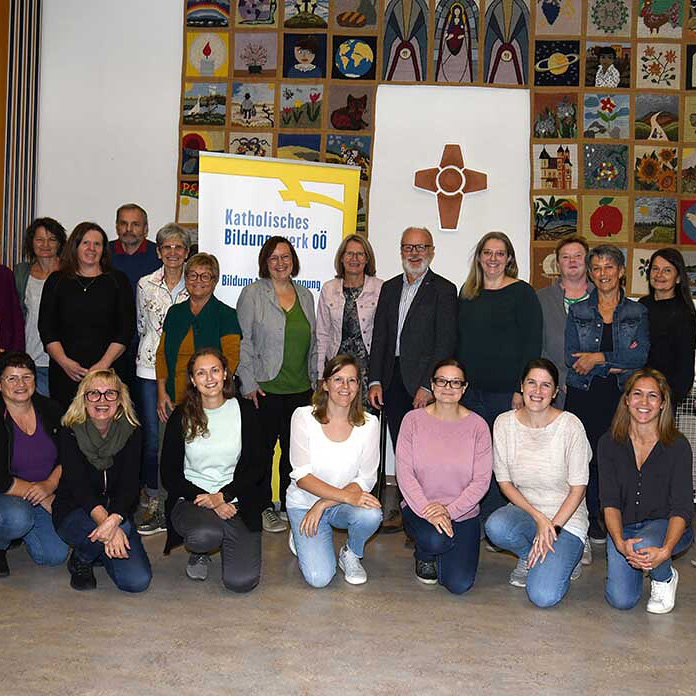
point(415, 327)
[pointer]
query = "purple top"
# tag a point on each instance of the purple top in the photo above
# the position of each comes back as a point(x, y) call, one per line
point(33, 456)
point(446, 462)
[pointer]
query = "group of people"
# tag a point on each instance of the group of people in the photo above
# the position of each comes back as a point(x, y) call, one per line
point(538, 422)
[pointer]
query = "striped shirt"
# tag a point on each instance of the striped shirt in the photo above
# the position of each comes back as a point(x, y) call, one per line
point(408, 293)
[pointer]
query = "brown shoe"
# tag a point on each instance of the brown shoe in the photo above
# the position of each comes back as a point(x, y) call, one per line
point(392, 523)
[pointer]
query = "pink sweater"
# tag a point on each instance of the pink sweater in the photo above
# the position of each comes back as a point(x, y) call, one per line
point(444, 462)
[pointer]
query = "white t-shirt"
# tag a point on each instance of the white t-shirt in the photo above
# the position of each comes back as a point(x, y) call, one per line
point(32, 299)
point(543, 463)
point(354, 460)
point(210, 460)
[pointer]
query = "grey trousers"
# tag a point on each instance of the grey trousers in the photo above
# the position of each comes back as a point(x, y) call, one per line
point(204, 532)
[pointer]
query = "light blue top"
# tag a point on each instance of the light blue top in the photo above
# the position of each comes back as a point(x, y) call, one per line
point(210, 460)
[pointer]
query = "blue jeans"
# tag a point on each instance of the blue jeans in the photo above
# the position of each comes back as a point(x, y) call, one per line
point(42, 381)
point(147, 396)
point(456, 558)
point(625, 583)
point(489, 405)
point(22, 520)
point(316, 554)
point(132, 574)
point(547, 583)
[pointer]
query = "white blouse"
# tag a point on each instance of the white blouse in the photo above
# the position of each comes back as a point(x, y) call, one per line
point(354, 460)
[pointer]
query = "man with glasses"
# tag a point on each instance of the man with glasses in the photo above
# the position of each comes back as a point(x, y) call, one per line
point(415, 327)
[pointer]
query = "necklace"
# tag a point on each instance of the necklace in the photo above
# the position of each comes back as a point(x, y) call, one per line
point(85, 288)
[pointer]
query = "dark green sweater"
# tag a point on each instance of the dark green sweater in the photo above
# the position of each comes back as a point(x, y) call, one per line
point(499, 332)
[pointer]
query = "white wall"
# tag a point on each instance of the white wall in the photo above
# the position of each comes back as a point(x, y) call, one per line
point(108, 109)
point(412, 124)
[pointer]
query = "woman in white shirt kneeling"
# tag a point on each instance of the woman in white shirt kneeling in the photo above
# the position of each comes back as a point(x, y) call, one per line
point(334, 452)
point(541, 460)
point(212, 469)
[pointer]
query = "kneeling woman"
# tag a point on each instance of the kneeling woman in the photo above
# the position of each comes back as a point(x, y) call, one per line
point(443, 466)
point(99, 450)
point(212, 469)
point(29, 470)
point(334, 453)
point(645, 490)
point(541, 461)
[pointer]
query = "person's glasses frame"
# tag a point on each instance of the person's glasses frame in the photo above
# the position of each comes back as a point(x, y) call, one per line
point(420, 248)
point(451, 383)
point(204, 277)
point(14, 380)
point(95, 396)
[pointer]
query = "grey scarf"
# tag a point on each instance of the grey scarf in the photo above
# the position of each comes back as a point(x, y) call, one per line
point(100, 450)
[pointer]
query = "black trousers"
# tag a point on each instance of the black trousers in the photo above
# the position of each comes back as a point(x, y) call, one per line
point(204, 532)
point(275, 412)
point(397, 402)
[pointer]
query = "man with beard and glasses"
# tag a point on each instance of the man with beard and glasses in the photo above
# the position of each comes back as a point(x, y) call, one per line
point(415, 327)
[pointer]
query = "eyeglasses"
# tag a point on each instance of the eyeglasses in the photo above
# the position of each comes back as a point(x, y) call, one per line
point(95, 395)
point(285, 258)
point(359, 255)
point(204, 277)
point(493, 253)
point(451, 383)
point(344, 381)
point(420, 248)
point(14, 380)
point(172, 247)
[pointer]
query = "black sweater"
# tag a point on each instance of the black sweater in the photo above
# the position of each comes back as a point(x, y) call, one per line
point(48, 414)
point(245, 485)
point(500, 331)
point(83, 486)
point(672, 342)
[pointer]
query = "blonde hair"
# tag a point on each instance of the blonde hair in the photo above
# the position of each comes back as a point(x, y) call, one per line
point(77, 411)
point(320, 398)
point(474, 281)
point(370, 266)
point(666, 427)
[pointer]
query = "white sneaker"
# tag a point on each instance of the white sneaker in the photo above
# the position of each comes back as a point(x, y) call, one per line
point(587, 553)
point(518, 577)
point(291, 543)
point(663, 594)
point(577, 571)
point(350, 564)
point(271, 522)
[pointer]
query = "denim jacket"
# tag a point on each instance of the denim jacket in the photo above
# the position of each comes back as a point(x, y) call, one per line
point(630, 333)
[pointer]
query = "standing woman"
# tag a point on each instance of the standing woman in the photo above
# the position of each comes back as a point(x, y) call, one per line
point(541, 461)
point(99, 450)
point(672, 321)
point(645, 486)
point(606, 338)
point(211, 469)
point(155, 294)
point(334, 449)
point(443, 467)
point(278, 361)
point(499, 332)
point(43, 244)
point(347, 304)
point(87, 313)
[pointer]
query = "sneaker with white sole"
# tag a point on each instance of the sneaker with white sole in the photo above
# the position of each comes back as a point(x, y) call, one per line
point(291, 543)
point(197, 567)
point(577, 571)
point(663, 594)
point(587, 553)
point(518, 577)
point(350, 564)
point(271, 522)
point(153, 521)
point(426, 572)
